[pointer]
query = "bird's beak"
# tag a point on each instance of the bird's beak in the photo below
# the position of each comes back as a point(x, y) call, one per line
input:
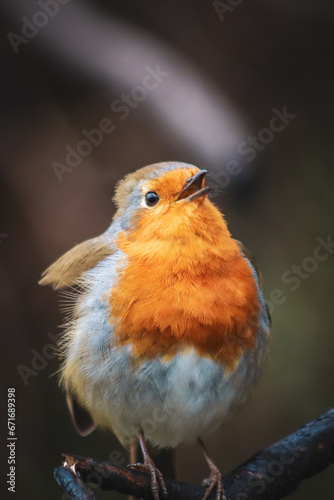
point(193, 188)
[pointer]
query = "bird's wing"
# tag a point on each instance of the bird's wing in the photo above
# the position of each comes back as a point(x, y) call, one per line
point(70, 266)
point(66, 271)
point(246, 253)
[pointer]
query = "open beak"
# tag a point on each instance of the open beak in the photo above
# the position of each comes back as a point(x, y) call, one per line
point(193, 188)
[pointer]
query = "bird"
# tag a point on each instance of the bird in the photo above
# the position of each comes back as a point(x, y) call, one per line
point(168, 331)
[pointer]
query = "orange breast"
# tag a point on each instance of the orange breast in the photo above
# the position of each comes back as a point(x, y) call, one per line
point(183, 292)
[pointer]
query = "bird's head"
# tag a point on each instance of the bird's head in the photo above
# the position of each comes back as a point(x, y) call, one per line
point(167, 201)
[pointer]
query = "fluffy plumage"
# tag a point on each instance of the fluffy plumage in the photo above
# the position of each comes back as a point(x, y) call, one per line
point(169, 333)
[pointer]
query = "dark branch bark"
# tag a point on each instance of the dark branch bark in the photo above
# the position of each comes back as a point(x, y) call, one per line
point(270, 474)
point(72, 484)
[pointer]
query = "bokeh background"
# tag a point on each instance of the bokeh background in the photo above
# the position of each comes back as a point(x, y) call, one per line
point(228, 68)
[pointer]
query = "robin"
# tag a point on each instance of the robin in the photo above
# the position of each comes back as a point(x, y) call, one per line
point(168, 331)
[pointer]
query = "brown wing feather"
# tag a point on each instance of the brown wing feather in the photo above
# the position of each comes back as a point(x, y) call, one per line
point(70, 266)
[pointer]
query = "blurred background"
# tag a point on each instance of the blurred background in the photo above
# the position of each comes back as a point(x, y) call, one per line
point(244, 89)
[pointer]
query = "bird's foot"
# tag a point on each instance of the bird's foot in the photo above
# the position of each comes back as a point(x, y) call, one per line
point(157, 481)
point(214, 481)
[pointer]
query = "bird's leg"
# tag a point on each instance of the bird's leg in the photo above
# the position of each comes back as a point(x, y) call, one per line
point(133, 451)
point(133, 457)
point(157, 482)
point(215, 479)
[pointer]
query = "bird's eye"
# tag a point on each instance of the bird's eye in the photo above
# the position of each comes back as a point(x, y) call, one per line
point(151, 198)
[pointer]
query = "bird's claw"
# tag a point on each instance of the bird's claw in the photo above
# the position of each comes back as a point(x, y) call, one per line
point(214, 480)
point(157, 481)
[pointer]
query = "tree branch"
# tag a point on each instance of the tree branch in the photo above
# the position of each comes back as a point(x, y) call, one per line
point(269, 474)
